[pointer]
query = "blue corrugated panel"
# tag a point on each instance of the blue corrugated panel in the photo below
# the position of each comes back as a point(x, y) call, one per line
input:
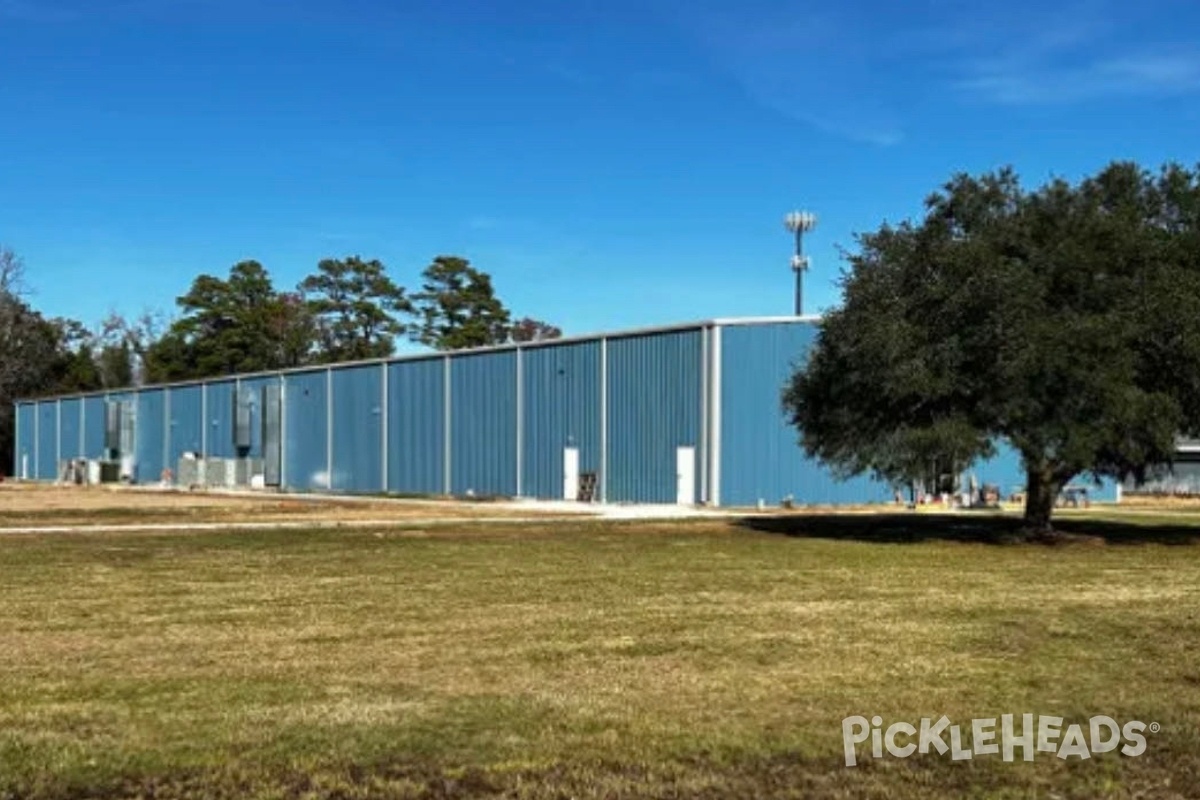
point(47, 440)
point(358, 429)
point(654, 407)
point(25, 452)
point(760, 453)
point(69, 428)
point(416, 430)
point(561, 408)
point(220, 419)
point(94, 420)
point(151, 435)
point(483, 416)
point(187, 423)
point(305, 431)
point(1006, 471)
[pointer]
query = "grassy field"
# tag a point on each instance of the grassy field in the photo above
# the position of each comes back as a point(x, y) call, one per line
point(589, 659)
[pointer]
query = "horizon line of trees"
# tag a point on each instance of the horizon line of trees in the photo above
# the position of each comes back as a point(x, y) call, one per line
point(349, 309)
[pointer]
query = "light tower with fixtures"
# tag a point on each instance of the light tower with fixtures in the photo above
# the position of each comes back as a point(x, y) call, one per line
point(800, 223)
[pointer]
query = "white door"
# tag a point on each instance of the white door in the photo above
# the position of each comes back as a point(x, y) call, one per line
point(571, 473)
point(685, 476)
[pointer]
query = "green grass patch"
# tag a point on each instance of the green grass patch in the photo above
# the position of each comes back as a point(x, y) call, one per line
point(588, 660)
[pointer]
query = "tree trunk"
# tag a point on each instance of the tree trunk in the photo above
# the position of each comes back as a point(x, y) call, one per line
point(1041, 493)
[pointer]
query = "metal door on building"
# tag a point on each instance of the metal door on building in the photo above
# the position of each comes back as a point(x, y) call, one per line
point(571, 473)
point(685, 476)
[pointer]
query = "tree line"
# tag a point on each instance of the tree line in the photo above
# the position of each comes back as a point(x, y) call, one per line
point(349, 309)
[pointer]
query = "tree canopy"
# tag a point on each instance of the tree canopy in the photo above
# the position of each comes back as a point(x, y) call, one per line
point(457, 307)
point(1064, 321)
point(355, 305)
point(528, 329)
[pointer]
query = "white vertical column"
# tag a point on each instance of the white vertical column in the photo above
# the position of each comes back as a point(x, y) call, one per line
point(383, 411)
point(37, 441)
point(447, 425)
point(167, 431)
point(283, 431)
point(17, 443)
point(57, 435)
point(204, 421)
point(520, 418)
point(329, 428)
point(604, 419)
point(704, 463)
point(714, 450)
point(237, 400)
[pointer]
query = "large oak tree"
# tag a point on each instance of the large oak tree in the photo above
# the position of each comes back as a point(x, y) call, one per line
point(1064, 321)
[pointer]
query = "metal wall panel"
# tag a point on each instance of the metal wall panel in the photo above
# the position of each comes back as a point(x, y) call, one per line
point(220, 419)
point(483, 435)
point(1005, 471)
point(68, 434)
point(186, 423)
point(94, 420)
point(416, 428)
point(561, 409)
point(305, 434)
point(358, 429)
point(654, 407)
point(760, 454)
point(47, 440)
point(25, 447)
point(151, 435)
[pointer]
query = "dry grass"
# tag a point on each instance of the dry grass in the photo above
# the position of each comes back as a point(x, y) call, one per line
point(590, 660)
point(27, 504)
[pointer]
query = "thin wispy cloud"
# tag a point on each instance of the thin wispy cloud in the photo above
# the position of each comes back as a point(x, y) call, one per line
point(1077, 54)
point(803, 63)
point(1124, 76)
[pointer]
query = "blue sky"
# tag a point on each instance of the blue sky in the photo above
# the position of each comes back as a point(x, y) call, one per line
point(612, 164)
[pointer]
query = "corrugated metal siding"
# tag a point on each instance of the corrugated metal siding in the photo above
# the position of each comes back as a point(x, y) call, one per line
point(1006, 471)
point(187, 423)
point(93, 427)
point(561, 408)
point(654, 407)
point(305, 431)
point(416, 429)
point(220, 419)
point(25, 448)
point(47, 440)
point(151, 435)
point(68, 434)
point(483, 437)
point(358, 429)
point(760, 453)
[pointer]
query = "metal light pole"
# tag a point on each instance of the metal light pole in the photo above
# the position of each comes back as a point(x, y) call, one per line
point(800, 223)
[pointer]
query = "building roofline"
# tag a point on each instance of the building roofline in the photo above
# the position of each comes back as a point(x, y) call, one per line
point(720, 322)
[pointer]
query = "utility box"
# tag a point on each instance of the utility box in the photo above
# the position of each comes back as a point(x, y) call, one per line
point(112, 427)
point(241, 421)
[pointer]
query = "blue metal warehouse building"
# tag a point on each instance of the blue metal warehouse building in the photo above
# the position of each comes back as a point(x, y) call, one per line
point(681, 414)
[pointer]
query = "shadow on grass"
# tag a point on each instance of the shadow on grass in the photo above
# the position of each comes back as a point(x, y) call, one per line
point(986, 528)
